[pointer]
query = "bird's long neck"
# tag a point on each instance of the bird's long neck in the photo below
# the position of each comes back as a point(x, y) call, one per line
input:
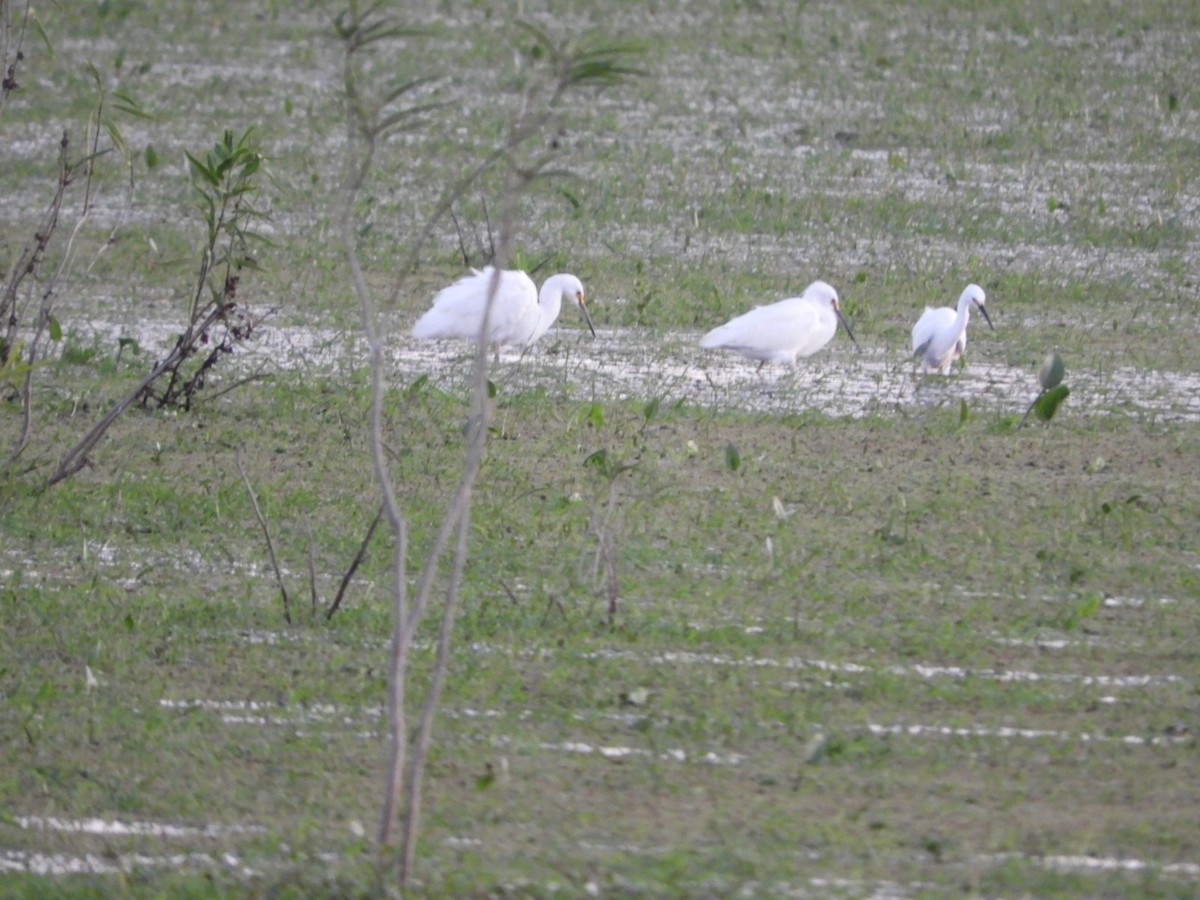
point(551, 294)
point(964, 315)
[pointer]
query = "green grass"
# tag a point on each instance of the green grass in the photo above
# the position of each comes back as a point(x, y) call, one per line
point(754, 691)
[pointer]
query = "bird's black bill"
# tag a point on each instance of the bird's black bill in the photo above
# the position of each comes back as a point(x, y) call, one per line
point(586, 315)
point(846, 325)
point(986, 317)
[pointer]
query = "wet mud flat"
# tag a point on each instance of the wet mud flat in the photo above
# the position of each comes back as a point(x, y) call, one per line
point(964, 663)
point(623, 364)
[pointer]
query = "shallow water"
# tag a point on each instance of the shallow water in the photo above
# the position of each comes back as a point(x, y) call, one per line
point(635, 363)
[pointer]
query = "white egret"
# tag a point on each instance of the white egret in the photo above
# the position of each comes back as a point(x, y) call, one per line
point(520, 313)
point(783, 332)
point(940, 335)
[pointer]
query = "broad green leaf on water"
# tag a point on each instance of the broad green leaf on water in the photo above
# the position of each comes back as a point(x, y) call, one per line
point(963, 411)
point(55, 330)
point(732, 457)
point(1052, 372)
point(1047, 405)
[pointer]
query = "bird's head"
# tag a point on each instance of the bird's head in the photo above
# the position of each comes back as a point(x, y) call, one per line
point(572, 288)
point(975, 294)
point(824, 292)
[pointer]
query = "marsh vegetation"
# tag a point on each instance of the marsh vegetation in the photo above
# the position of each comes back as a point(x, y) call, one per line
point(851, 631)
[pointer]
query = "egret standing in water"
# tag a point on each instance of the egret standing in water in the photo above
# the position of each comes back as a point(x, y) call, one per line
point(520, 313)
point(940, 335)
point(785, 331)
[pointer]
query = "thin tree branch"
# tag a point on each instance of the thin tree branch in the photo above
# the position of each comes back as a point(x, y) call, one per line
point(262, 521)
point(358, 558)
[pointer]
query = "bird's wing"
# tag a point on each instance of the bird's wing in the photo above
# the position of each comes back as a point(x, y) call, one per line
point(930, 322)
point(765, 329)
point(457, 310)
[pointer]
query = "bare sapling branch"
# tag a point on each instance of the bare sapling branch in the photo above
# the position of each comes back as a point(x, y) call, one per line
point(223, 180)
point(266, 530)
point(367, 120)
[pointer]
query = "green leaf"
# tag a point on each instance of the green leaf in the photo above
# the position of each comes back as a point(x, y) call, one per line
point(55, 330)
point(1047, 405)
point(491, 389)
point(202, 171)
point(1052, 372)
point(118, 140)
point(595, 416)
point(542, 44)
point(599, 459)
point(650, 410)
point(41, 32)
point(126, 104)
point(732, 458)
point(963, 411)
point(151, 156)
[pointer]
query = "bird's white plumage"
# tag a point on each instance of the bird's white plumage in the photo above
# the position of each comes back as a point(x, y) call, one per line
point(782, 332)
point(940, 335)
point(520, 313)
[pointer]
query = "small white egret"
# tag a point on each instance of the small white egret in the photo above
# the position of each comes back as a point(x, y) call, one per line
point(940, 335)
point(783, 332)
point(520, 313)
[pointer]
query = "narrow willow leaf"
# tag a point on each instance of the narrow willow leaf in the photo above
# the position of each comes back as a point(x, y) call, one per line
point(118, 139)
point(651, 408)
